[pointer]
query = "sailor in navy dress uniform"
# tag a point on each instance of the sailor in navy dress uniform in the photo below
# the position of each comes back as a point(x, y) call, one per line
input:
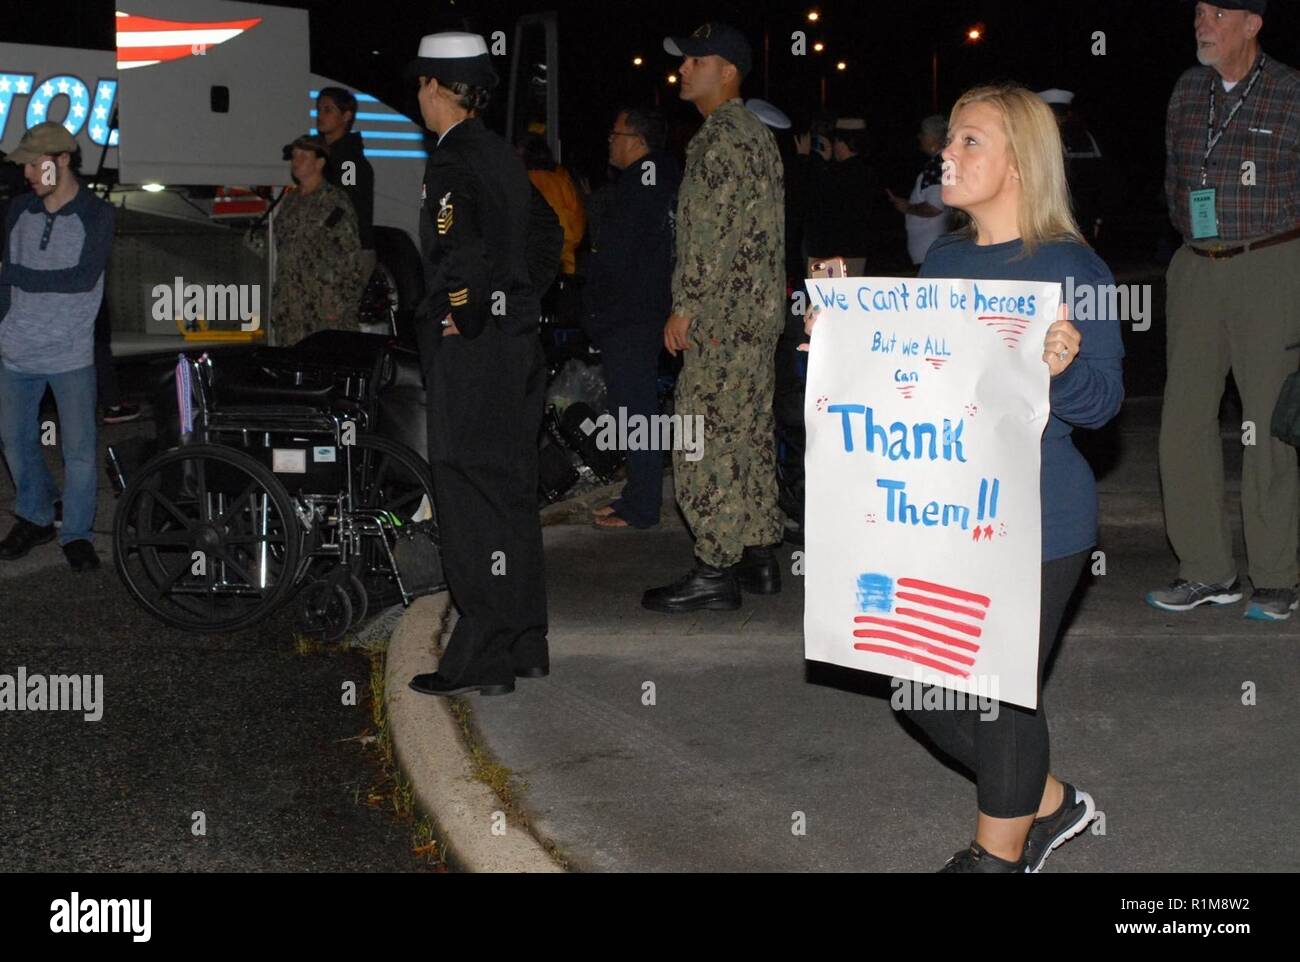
point(485, 377)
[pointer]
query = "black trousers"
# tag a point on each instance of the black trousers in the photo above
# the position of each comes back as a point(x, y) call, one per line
point(1009, 755)
point(485, 401)
point(630, 357)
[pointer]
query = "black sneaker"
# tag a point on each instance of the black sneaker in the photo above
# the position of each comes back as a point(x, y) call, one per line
point(1184, 595)
point(81, 555)
point(977, 859)
point(23, 537)
point(1051, 831)
point(121, 413)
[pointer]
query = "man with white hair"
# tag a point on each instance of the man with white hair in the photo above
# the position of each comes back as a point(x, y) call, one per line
point(1232, 180)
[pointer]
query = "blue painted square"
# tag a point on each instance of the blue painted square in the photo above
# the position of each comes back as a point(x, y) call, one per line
point(875, 592)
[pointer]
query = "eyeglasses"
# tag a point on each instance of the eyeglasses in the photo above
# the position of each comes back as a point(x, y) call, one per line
point(621, 133)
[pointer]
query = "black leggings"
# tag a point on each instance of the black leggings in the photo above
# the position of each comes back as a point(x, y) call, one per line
point(1009, 754)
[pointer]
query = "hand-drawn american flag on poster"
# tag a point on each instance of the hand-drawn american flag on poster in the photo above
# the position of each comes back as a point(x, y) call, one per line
point(920, 622)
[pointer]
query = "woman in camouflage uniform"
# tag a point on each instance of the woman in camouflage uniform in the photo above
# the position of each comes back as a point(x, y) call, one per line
point(318, 251)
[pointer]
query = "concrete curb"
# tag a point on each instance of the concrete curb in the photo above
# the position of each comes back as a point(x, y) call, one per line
point(431, 752)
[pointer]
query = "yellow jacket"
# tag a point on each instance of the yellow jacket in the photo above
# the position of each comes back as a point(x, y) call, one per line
point(558, 189)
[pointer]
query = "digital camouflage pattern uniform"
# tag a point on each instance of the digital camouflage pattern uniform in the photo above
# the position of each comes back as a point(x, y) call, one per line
point(317, 265)
point(729, 280)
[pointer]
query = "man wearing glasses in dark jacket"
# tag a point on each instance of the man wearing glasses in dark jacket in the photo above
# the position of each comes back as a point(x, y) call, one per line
point(629, 292)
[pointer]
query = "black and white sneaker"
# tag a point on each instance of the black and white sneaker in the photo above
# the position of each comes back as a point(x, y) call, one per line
point(1184, 595)
point(1051, 831)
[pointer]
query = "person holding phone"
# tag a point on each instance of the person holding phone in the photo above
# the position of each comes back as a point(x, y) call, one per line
point(1008, 180)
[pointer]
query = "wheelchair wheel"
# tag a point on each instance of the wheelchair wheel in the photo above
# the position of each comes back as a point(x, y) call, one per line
point(390, 477)
point(325, 609)
point(207, 539)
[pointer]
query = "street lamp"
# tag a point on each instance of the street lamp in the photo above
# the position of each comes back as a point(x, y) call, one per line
point(672, 78)
point(814, 16)
point(637, 61)
point(972, 36)
point(818, 47)
point(841, 66)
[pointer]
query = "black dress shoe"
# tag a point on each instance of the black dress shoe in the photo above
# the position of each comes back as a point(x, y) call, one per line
point(704, 586)
point(435, 684)
point(532, 671)
point(23, 537)
point(81, 555)
point(759, 571)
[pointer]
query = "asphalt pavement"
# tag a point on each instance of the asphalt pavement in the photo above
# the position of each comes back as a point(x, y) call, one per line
point(705, 742)
point(237, 727)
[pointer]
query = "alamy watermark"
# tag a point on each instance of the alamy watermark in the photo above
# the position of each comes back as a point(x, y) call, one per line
point(658, 432)
point(196, 306)
point(24, 692)
point(1117, 302)
point(916, 695)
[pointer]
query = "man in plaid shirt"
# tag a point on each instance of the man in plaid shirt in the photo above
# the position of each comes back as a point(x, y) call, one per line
point(1232, 181)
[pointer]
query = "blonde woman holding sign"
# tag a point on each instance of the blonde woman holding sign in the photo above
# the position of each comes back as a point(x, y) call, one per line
point(1004, 170)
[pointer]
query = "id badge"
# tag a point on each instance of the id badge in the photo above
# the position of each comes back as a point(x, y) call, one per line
point(1204, 221)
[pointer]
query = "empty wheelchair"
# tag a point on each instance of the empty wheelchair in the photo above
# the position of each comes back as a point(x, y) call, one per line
point(278, 488)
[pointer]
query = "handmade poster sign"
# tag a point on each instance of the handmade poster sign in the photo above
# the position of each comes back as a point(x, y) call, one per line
point(925, 408)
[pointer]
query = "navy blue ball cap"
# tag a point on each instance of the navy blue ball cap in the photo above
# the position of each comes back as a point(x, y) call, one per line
point(714, 38)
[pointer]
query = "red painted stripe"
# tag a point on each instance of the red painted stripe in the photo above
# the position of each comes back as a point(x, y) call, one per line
point(912, 657)
point(945, 605)
point(939, 589)
point(175, 52)
point(131, 24)
point(916, 630)
point(946, 622)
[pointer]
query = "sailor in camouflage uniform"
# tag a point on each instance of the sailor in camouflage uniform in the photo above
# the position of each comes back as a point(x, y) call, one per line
point(317, 251)
point(728, 310)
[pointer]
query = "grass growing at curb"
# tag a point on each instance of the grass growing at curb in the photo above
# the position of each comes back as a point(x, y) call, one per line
point(393, 791)
point(396, 790)
point(497, 777)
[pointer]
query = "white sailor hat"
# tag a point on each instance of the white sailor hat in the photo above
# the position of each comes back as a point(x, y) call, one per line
point(1055, 95)
point(770, 114)
point(453, 57)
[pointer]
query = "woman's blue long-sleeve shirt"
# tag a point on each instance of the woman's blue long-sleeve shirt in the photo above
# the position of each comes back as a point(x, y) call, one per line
point(1087, 394)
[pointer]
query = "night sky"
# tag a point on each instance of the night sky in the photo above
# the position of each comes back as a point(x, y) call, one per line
point(887, 48)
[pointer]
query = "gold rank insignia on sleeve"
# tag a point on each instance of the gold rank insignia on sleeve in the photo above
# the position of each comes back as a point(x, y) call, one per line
point(445, 213)
point(459, 298)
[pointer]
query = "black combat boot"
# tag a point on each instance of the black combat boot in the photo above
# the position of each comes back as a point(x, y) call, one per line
point(704, 586)
point(759, 571)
